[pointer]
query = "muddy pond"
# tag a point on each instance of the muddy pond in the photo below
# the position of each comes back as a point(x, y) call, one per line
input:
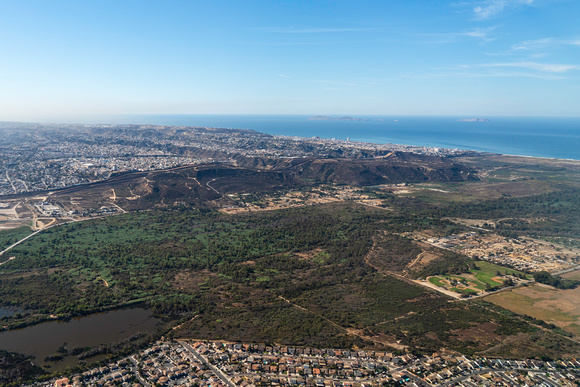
point(44, 339)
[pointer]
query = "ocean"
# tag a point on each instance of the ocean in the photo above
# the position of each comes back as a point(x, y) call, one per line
point(524, 136)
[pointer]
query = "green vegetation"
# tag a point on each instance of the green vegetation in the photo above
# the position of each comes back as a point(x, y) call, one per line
point(295, 276)
point(550, 215)
point(558, 282)
point(464, 290)
point(11, 236)
point(448, 263)
point(437, 281)
point(312, 276)
point(483, 277)
point(16, 368)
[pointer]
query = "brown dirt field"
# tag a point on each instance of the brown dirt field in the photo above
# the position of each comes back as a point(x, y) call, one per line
point(573, 275)
point(308, 254)
point(423, 259)
point(560, 307)
point(484, 333)
point(270, 204)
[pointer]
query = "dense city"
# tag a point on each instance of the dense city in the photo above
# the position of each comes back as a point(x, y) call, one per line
point(36, 157)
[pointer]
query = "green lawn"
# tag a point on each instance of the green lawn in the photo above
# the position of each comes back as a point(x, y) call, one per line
point(484, 273)
point(469, 291)
point(437, 281)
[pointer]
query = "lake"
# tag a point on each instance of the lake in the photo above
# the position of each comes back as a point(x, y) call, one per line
point(44, 339)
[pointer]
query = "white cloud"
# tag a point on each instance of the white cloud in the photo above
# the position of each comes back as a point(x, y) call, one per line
point(490, 8)
point(542, 67)
point(450, 37)
point(540, 44)
point(538, 48)
point(475, 74)
point(477, 33)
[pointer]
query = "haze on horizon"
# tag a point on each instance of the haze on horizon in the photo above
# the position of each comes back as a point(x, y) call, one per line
point(470, 57)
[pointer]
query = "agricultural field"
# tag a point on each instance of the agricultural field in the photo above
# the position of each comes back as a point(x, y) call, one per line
point(481, 277)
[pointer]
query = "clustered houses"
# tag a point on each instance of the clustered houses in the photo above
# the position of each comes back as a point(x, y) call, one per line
point(522, 254)
point(219, 364)
point(59, 156)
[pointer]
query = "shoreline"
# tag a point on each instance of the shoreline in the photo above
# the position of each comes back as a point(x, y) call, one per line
point(287, 126)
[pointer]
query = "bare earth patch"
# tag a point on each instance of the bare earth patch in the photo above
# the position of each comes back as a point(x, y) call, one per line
point(191, 280)
point(484, 333)
point(556, 306)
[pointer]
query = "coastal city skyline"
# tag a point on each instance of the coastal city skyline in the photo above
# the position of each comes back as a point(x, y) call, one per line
point(473, 58)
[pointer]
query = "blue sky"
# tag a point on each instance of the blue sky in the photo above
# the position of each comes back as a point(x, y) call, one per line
point(400, 57)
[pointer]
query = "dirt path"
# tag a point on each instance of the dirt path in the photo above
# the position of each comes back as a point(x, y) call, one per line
point(424, 284)
point(41, 225)
point(119, 207)
point(33, 212)
point(187, 322)
point(114, 199)
point(417, 259)
point(351, 331)
point(212, 188)
point(8, 260)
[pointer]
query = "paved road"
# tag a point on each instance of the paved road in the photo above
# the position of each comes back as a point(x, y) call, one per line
point(19, 242)
point(209, 186)
point(566, 270)
point(135, 370)
point(202, 359)
point(538, 373)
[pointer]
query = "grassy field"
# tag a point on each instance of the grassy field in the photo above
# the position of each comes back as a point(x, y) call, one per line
point(486, 271)
point(481, 277)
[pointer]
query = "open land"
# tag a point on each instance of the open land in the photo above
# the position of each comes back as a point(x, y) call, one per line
point(556, 306)
point(278, 241)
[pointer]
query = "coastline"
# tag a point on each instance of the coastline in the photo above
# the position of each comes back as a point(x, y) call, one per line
point(543, 137)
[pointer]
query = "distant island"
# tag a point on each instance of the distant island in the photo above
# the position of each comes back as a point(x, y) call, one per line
point(329, 118)
point(474, 120)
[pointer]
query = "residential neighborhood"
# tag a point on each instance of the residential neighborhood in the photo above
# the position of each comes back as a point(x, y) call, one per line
point(36, 157)
point(217, 363)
